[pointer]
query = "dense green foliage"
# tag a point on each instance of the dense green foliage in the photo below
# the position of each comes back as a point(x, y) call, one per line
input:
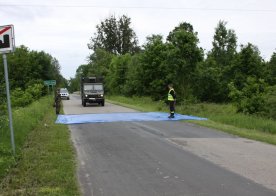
point(271, 70)
point(212, 75)
point(251, 98)
point(27, 71)
point(222, 75)
point(270, 99)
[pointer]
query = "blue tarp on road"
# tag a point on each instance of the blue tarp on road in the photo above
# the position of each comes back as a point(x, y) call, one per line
point(115, 117)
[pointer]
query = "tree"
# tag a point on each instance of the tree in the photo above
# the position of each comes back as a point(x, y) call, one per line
point(74, 83)
point(183, 56)
point(20, 67)
point(248, 63)
point(115, 36)
point(116, 77)
point(224, 45)
point(212, 76)
point(271, 75)
point(154, 73)
point(208, 86)
point(127, 40)
point(28, 69)
point(27, 66)
point(133, 83)
point(99, 63)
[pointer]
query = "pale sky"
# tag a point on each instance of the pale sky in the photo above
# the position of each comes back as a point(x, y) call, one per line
point(63, 28)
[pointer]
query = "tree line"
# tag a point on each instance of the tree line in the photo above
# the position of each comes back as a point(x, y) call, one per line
point(225, 74)
point(27, 71)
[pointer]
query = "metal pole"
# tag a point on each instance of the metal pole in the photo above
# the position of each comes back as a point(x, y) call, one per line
point(8, 101)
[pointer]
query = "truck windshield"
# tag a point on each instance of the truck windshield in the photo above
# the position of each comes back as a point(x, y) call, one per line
point(98, 87)
point(90, 87)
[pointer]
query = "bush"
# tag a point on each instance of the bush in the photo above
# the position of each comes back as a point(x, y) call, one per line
point(35, 90)
point(251, 98)
point(270, 100)
point(19, 98)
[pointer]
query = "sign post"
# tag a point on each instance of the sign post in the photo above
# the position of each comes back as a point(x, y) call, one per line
point(8, 101)
point(50, 83)
point(6, 46)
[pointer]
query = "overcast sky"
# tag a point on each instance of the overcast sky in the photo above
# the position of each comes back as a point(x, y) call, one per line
point(63, 28)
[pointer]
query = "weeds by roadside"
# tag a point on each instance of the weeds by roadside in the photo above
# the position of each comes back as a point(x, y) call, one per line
point(24, 121)
point(45, 165)
point(221, 116)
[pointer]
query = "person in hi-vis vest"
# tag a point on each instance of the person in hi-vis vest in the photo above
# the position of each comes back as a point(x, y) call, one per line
point(171, 100)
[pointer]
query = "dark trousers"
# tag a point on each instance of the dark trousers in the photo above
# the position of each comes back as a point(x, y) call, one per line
point(172, 105)
point(57, 108)
point(57, 104)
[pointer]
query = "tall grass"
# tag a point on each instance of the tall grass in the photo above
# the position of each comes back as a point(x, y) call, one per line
point(226, 114)
point(45, 162)
point(220, 113)
point(24, 121)
point(139, 103)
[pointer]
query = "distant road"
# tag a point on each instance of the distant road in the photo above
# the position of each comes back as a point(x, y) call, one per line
point(73, 106)
point(167, 158)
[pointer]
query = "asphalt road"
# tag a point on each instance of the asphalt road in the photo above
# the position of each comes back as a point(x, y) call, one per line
point(166, 158)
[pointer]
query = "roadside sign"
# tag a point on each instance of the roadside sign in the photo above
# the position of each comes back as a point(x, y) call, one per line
point(6, 39)
point(50, 82)
point(7, 45)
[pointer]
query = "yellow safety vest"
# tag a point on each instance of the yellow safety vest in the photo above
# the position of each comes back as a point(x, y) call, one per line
point(170, 97)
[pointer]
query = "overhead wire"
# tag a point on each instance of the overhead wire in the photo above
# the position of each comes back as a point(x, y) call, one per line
point(139, 7)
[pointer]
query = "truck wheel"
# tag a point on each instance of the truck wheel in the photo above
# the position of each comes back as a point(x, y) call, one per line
point(84, 104)
point(102, 103)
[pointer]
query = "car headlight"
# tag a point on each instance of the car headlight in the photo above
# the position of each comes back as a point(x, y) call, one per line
point(101, 95)
point(86, 95)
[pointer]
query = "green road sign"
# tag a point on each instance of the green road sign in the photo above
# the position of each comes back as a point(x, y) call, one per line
point(50, 82)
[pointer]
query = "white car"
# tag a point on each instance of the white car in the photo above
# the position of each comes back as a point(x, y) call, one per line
point(64, 94)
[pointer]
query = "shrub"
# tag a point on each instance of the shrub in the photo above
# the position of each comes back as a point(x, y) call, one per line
point(270, 99)
point(251, 98)
point(35, 90)
point(19, 98)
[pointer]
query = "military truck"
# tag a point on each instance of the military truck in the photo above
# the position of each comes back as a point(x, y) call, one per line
point(92, 90)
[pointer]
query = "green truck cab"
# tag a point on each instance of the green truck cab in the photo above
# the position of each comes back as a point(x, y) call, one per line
point(92, 90)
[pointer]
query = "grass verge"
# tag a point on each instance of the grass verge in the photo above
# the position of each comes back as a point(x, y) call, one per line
point(220, 116)
point(24, 121)
point(45, 164)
